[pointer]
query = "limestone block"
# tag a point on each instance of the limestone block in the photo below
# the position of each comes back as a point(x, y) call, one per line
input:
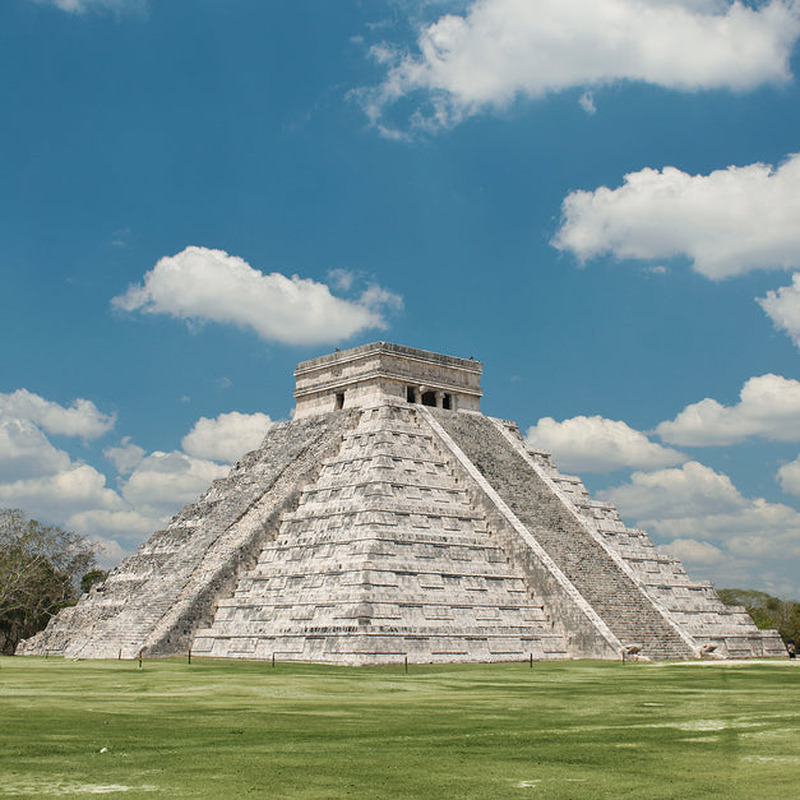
point(374, 528)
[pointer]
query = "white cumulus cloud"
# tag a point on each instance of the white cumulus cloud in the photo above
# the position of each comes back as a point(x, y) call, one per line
point(200, 284)
point(109, 553)
point(768, 407)
point(701, 517)
point(44, 481)
point(81, 419)
point(783, 308)
point(38, 477)
point(586, 102)
point(126, 456)
point(688, 491)
point(163, 482)
point(596, 444)
point(727, 223)
point(58, 496)
point(789, 477)
point(126, 523)
point(694, 552)
point(82, 6)
point(25, 452)
point(499, 50)
point(227, 437)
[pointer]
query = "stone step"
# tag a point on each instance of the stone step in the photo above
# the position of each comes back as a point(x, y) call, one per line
point(619, 602)
point(401, 564)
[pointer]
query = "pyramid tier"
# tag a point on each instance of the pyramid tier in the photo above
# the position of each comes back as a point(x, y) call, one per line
point(384, 558)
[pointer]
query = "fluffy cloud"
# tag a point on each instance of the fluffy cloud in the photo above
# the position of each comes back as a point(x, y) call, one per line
point(81, 6)
point(688, 491)
point(127, 524)
point(783, 308)
point(586, 102)
point(40, 478)
point(45, 482)
point(692, 551)
point(596, 444)
point(25, 452)
point(210, 285)
point(729, 222)
point(163, 482)
point(789, 477)
point(109, 553)
point(227, 437)
point(502, 49)
point(82, 418)
point(769, 407)
point(694, 500)
point(126, 456)
point(342, 279)
point(703, 519)
point(59, 496)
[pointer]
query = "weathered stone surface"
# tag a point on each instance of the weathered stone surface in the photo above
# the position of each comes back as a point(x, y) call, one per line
point(399, 526)
point(156, 599)
point(384, 557)
point(693, 606)
point(373, 372)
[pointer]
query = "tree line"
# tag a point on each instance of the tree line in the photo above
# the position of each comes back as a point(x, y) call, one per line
point(43, 568)
point(768, 612)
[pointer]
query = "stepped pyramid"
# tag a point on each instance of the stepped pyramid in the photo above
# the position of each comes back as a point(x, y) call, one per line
point(388, 520)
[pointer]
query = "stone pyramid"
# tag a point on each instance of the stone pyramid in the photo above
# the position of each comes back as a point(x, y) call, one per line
point(389, 520)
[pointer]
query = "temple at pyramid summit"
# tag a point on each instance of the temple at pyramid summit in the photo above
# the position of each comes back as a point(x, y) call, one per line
point(390, 520)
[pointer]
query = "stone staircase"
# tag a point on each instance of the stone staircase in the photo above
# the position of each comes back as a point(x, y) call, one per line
point(597, 576)
point(384, 558)
point(375, 527)
point(155, 599)
point(356, 537)
point(724, 631)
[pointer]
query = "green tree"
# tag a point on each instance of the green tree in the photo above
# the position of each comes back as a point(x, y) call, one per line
point(767, 612)
point(40, 569)
point(91, 578)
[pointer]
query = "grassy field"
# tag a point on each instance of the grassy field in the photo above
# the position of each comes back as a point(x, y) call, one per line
point(568, 729)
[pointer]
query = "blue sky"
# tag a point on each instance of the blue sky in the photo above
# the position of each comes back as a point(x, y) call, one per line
point(598, 199)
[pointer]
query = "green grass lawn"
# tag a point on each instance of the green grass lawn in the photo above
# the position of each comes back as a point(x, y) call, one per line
point(562, 729)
